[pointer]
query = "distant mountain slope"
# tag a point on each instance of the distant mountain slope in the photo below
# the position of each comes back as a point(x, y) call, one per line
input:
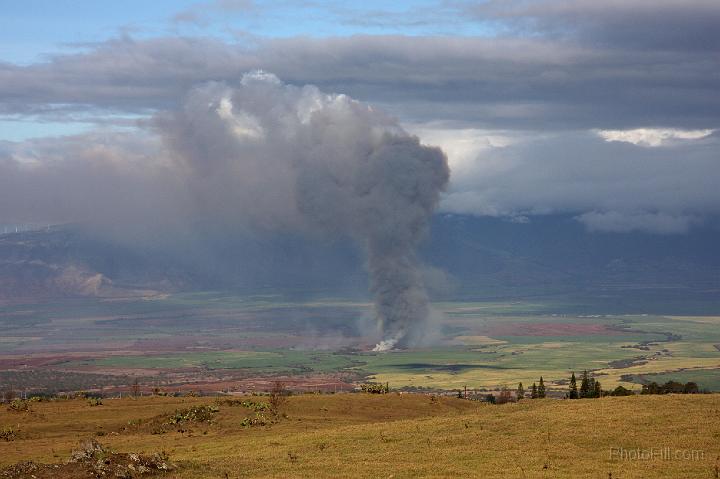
point(64, 261)
point(557, 252)
point(481, 257)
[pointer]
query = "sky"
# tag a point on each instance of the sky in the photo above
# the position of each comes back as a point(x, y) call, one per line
point(608, 111)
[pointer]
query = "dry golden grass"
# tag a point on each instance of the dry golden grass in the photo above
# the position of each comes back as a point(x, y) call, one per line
point(357, 435)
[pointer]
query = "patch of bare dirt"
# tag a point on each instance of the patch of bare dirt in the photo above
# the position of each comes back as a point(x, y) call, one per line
point(93, 460)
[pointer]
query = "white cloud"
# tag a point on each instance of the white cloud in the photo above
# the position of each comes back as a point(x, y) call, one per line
point(620, 222)
point(241, 123)
point(652, 137)
point(463, 146)
point(608, 186)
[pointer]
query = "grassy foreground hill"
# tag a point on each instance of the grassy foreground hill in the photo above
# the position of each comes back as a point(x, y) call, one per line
point(359, 435)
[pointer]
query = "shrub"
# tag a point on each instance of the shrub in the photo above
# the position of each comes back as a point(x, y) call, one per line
point(102, 462)
point(254, 405)
point(19, 405)
point(670, 387)
point(257, 420)
point(621, 391)
point(504, 397)
point(194, 414)
point(691, 388)
point(8, 433)
point(650, 388)
point(278, 396)
point(94, 402)
point(374, 388)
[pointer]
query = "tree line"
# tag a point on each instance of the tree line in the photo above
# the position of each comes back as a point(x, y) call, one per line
point(591, 388)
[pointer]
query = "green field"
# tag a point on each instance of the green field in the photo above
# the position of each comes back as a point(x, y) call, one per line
point(265, 362)
point(482, 345)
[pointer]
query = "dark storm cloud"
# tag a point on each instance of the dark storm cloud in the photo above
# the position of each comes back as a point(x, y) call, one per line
point(689, 25)
point(491, 82)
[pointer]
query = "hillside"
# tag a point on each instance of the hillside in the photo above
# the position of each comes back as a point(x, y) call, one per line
point(471, 258)
point(357, 435)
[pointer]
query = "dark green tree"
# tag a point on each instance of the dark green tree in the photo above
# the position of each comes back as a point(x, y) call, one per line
point(651, 388)
point(541, 389)
point(520, 393)
point(672, 387)
point(585, 385)
point(533, 392)
point(597, 389)
point(621, 391)
point(691, 388)
point(573, 393)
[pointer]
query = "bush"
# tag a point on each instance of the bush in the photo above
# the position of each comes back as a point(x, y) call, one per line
point(374, 388)
point(278, 397)
point(8, 433)
point(102, 462)
point(19, 405)
point(691, 388)
point(504, 397)
point(673, 387)
point(193, 414)
point(94, 402)
point(621, 391)
point(257, 420)
point(254, 405)
point(670, 387)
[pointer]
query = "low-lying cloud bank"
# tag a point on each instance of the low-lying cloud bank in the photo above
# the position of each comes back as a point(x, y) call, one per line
point(613, 186)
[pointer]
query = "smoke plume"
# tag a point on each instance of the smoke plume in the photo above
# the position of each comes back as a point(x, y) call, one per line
point(283, 157)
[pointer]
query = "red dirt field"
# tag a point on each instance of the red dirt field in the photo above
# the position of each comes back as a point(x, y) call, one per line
point(313, 383)
point(30, 361)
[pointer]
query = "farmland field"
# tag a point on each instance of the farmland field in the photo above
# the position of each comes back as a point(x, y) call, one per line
point(220, 341)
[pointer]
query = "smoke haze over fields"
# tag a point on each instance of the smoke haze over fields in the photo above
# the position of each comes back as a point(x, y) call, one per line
point(260, 156)
point(177, 124)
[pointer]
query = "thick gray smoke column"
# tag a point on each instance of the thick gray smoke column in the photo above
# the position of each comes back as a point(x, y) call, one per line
point(280, 156)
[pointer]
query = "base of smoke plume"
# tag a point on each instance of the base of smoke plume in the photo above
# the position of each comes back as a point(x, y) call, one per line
point(425, 333)
point(386, 345)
